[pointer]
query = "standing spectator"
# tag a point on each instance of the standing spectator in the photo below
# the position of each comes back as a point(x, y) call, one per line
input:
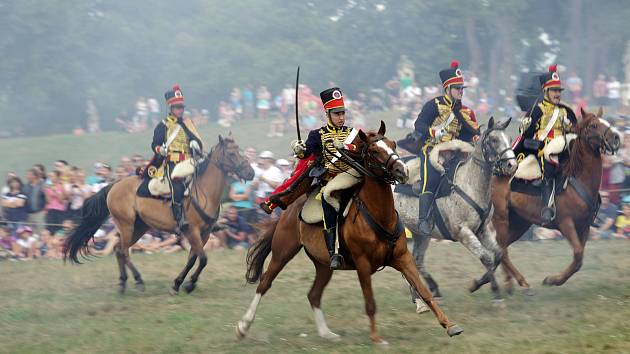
point(64, 170)
point(77, 192)
point(269, 178)
point(248, 101)
point(263, 103)
point(600, 90)
point(36, 199)
point(235, 102)
point(603, 225)
point(235, 234)
point(614, 88)
point(138, 161)
point(55, 202)
point(93, 120)
point(6, 187)
point(288, 102)
point(574, 83)
point(127, 166)
point(623, 221)
point(14, 204)
point(285, 167)
point(154, 111)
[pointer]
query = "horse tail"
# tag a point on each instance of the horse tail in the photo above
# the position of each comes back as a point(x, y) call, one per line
point(93, 214)
point(258, 253)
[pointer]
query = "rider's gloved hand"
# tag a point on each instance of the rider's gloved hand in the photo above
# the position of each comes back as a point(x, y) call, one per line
point(338, 144)
point(163, 150)
point(194, 146)
point(439, 133)
point(298, 147)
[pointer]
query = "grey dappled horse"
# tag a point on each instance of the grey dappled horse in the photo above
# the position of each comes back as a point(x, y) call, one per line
point(467, 210)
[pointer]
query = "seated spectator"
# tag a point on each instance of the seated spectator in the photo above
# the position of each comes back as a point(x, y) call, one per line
point(26, 244)
point(603, 225)
point(14, 204)
point(77, 192)
point(234, 235)
point(623, 221)
point(6, 240)
point(50, 247)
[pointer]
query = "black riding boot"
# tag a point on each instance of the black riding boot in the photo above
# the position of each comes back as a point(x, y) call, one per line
point(180, 217)
point(335, 259)
point(424, 221)
point(548, 212)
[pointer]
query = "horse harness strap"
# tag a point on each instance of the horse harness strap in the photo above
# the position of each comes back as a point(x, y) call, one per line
point(206, 218)
point(483, 213)
point(390, 237)
point(593, 206)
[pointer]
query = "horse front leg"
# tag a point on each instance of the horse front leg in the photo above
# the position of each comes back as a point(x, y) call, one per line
point(196, 247)
point(192, 258)
point(364, 272)
point(488, 240)
point(567, 227)
point(474, 246)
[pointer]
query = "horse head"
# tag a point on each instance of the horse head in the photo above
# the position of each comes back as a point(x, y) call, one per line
point(227, 156)
point(496, 148)
point(379, 155)
point(598, 134)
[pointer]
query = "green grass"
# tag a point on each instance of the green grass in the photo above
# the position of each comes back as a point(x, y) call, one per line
point(48, 307)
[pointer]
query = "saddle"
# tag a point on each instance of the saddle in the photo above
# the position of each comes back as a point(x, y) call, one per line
point(157, 186)
point(529, 168)
point(534, 187)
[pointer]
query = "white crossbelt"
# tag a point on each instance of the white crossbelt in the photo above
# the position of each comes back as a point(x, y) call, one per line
point(550, 124)
point(173, 135)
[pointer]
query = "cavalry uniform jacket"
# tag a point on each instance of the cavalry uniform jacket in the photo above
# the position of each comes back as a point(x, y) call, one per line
point(179, 149)
point(320, 141)
point(436, 114)
point(539, 126)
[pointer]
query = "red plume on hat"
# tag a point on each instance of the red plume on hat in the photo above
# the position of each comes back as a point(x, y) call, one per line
point(454, 64)
point(553, 68)
point(174, 96)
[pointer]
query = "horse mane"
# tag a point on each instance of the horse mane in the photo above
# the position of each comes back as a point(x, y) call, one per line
point(578, 147)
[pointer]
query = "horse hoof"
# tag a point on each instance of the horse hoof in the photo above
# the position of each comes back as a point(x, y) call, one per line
point(121, 290)
point(439, 300)
point(549, 281)
point(379, 341)
point(499, 303)
point(474, 286)
point(529, 292)
point(454, 330)
point(509, 289)
point(239, 334)
point(140, 287)
point(333, 337)
point(190, 287)
point(173, 291)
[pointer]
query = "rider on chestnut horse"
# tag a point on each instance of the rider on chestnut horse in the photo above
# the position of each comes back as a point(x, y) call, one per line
point(321, 143)
point(547, 120)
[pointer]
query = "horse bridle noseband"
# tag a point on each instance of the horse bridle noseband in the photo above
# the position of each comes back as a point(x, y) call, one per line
point(485, 151)
point(601, 144)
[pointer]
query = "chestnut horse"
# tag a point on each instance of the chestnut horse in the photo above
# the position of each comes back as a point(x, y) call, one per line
point(372, 209)
point(134, 215)
point(576, 207)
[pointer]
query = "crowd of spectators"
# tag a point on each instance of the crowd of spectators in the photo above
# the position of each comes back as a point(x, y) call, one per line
point(39, 211)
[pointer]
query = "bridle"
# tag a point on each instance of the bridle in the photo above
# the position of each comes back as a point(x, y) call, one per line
point(491, 158)
point(370, 165)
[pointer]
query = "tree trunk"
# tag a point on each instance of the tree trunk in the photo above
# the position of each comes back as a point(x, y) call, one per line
point(473, 46)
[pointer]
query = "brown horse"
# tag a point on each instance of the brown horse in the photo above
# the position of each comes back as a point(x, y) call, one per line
point(576, 207)
point(372, 209)
point(134, 215)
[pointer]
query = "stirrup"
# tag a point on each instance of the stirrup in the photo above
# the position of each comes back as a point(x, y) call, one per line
point(336, 260)
point(266, 207)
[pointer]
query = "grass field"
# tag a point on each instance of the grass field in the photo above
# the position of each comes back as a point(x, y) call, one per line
point(48, 307)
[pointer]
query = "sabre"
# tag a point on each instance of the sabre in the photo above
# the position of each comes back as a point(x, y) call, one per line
point(297, 118)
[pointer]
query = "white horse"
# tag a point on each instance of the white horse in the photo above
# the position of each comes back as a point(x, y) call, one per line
point(465, 213)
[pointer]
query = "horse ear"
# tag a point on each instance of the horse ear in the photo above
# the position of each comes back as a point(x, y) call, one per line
point(220, 139)
point(600, 112)
point(381, 130)
point(491, 123)
point(362, 135)
point(582, 112)
point(505, 124)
